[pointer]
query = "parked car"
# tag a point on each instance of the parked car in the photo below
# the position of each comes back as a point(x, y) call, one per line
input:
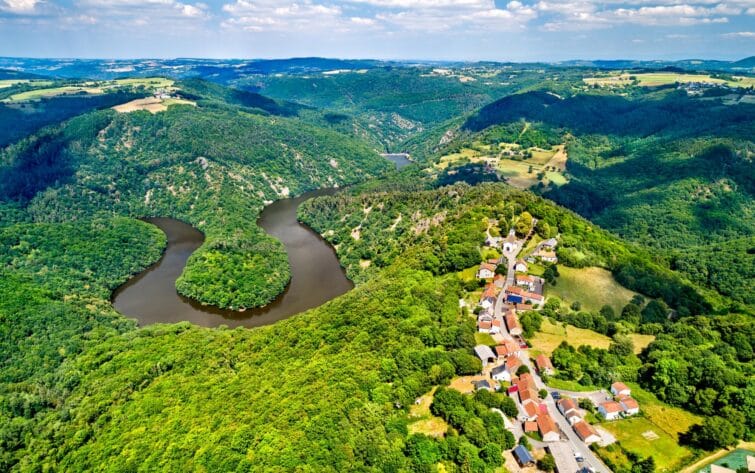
point(556, 395)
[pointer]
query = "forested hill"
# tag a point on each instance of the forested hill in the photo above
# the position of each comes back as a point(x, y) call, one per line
point(213, 165)
point(658, 167)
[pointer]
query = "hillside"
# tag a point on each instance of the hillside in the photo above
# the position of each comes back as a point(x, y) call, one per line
point(646, 166)
point(210, 166)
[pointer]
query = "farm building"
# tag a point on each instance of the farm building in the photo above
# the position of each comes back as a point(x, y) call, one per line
point(630, 405)
point(586, 432)
point(610, 410)
point(485, 354)
point(544, 365)
point(620, 389)
point(512, 323)
point(523, 456)
point(548, 429)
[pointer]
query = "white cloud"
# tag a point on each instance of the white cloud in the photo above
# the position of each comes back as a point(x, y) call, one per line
point(740, 34)
point(19, 6)
point(589, 14)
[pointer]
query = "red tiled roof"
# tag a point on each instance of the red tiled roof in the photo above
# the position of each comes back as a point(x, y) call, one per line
point(515, 290)
point(567, 404)
point(611, 407)
point(484, 325)
point(546, 424)
point(528, 394)
point(513, 362)
point(618, 386)
point(488, 266)
point(520, 307)
point(543, 362)
point(497, 323)
point(530, 409)
point(530, 426)
point(630, 403)
point(511, 320)
point(489, 291)
point(584, 430)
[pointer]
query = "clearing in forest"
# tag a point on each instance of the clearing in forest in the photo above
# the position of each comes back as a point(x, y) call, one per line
point(592, 287)
point(150, 104)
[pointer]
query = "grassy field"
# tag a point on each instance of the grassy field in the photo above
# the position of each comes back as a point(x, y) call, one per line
point(654, 79)
point(665, 421)
point(150, 104)
point(592, 287)
point(4, 83)
point(568, 385)
point(37, 94)
point(551, 335)
point(93, 88)
point(422, 421)
point(483, 339)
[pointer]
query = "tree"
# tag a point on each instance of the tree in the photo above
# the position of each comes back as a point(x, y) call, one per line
point(576, 306)
point(631, 313)
point(523, 224)
point(522, 369)
point(550, 274)
point(547, 463)
point(655, 312)
point(714, 433)
point(621, 346)
point(607, 312)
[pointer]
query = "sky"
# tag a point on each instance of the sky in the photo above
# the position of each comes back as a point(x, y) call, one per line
point(517, 30)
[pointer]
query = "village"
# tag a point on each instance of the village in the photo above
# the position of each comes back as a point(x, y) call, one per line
point(551, 421)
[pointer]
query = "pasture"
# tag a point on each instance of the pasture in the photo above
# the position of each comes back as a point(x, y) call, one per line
point(551, 335)
point(87, 88)
point(593, 287)
point(655, 79)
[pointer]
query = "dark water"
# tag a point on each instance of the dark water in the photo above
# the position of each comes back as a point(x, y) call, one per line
point(401, 160)
point(316, 274)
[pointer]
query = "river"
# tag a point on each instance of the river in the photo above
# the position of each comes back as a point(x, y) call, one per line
point(316, 274)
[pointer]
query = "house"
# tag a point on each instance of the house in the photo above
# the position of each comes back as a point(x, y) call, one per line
point(610, 410)
point(547, 256)
point(544, 365)
point(499, 280)
point(510, 243)
point(522, 456)
point(493, 242)
point(482, 384)
point(531, 410)
point(568, 407)
point(521, 266)
point(523, 307)
point(525, 280)
point(486, 271)
point(630, 406)
point(507, 348)
point(483, 326)
point(488, 298)
point(506, 371)
point(529, 426)
point(512, 323)
point(528, 396)
point(620, 389)
point(485, 315)
point(548, 429)
point(514, 294)
point(485, 354)
point(550, 244)
point(501, 373)
point(496, 326)
point(533, 298)
point(586, 432)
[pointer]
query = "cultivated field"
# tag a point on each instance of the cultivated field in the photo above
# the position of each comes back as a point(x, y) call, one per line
point(592, 287)
point(655, 79)
point(150, 104)
point(88, 88)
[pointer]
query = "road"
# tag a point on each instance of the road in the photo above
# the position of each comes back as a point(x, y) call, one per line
point(576, 444)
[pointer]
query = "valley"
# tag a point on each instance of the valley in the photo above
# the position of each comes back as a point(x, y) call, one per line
point(331, 265)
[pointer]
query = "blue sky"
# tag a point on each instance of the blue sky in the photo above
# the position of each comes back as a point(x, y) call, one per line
point(391, 29)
